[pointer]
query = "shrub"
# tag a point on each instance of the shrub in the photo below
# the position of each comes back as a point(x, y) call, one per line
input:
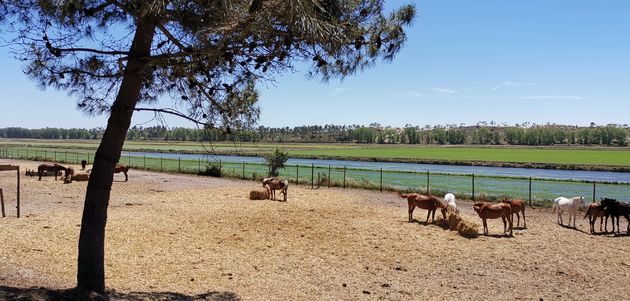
point(276, 161)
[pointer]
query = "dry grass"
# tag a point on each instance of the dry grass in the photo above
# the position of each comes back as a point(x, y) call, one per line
point(190, 235)
point(258, 194)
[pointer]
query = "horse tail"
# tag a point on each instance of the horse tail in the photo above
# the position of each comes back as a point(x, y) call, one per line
point(554, 207)
point(404, 195)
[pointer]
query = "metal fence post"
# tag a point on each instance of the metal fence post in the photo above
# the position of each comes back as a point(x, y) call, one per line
point(328, 176)
point(144, 161)
point(243, 170)
point(381, 179)
point(344, 177)
point(179, 164)
point(530, 191)
point(297, 174)
point(161, 169)
point(428, 184)
point(65, 160)
point(473, 187)
point(129, 159)
point(55, 156)
point(312, 175)
point(594, 192)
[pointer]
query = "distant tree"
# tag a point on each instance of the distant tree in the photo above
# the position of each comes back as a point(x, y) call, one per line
point(114, 55)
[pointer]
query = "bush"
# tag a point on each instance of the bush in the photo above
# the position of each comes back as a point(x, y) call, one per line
point(276, 161)
point(213, 169)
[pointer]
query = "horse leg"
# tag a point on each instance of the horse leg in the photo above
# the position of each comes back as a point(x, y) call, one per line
point(511, 220)
point(433, 216)
point(126, 178)
point(411, 207)
point(524, 223)
point(428, 214)
point(504, 225)
point(485, 227)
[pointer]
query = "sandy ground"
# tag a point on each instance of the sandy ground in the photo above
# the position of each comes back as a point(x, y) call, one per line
point(185, 236)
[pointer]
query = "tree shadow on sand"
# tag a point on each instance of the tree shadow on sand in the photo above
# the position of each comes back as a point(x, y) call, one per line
point(44, 294)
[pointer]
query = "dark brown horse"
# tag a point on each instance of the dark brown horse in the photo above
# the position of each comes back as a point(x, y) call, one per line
point(275, 184)
point(593, 212)
point(616, 209)
point(518, 206)
point(429, 202)
point(54, 168)
point(122, 168)
point(491, 210)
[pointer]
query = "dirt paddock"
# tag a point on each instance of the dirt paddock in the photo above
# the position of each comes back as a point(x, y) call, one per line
point(185, 236)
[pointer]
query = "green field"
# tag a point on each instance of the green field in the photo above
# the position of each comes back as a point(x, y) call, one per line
point(596, 156)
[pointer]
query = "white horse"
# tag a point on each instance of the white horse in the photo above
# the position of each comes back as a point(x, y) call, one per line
point(569, 205)
point(449, 202)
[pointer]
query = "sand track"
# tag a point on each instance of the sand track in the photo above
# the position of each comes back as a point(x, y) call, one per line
point(190, 235)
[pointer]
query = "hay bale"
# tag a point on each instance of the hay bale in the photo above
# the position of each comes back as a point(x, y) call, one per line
point(464, 227)
point(259, 194)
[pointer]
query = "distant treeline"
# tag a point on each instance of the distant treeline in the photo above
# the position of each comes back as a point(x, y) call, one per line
point(616, 135)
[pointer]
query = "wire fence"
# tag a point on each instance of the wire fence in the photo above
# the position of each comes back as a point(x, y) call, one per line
point(466, 186)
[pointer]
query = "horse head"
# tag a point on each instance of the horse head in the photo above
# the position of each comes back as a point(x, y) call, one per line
point(266, 181)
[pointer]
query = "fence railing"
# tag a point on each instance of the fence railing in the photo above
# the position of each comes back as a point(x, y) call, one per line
point(467, 186)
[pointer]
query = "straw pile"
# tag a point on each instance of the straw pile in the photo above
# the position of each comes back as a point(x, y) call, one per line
point(464, 227)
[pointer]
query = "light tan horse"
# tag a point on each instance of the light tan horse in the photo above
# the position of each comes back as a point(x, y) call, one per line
point(494, 210)
point(428, 202)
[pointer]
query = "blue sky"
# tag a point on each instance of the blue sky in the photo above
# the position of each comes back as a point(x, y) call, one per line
point(561, 61)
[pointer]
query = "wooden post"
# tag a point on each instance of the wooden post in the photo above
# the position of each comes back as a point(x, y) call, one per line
point(312, 175)
point(2, 202)
point(381, 179)
point(530, 191)
point(344, 177)
point(328, 176)
point(18, 192)
point(594, 192)
point(473, 187)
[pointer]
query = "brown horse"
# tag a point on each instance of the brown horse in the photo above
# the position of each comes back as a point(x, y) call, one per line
point(518, 206)
point(122, 168)
point(429, 202)
point(69, 173)
point(55, 168)
point(275, 184)
point(593, 212)
point(492, 211)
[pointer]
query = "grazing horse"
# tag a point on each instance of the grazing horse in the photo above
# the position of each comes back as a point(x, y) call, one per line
point(55, 168)
point(68, 174)
point(570, 205)
point(518, 206)
point(616, 209)
point(451, 206)
point(429, 202)
point(275, 184)
point(487, 210)
point(122, 168)
point(593, 212)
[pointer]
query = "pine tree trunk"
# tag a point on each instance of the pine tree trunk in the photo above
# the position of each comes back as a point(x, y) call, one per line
point(91, 264)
